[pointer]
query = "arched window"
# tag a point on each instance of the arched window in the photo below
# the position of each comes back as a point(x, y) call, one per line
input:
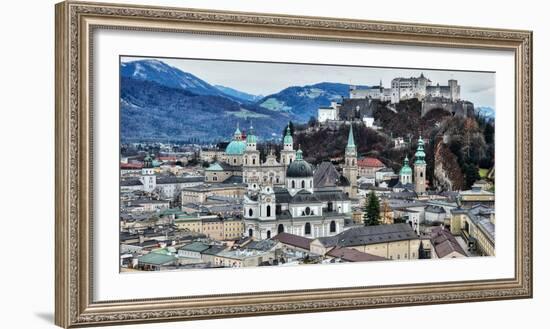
point(421, 174)
point(253, 161)
point(332, 227)
point(280, 228)
point(310, 184)
point(250, 212)
point(269, 234)
point(308, 210)
point(303, 184)
point(293, 184)
point(250, 232)
point(234, 160)
point(307, 229)
point(268, 210)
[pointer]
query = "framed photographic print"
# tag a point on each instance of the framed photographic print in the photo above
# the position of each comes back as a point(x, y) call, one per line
point(218, 164)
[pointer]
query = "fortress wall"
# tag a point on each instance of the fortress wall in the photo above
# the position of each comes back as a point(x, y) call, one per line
point(456, 108)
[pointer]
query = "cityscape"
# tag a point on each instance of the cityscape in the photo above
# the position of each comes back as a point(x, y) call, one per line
point(215, 176)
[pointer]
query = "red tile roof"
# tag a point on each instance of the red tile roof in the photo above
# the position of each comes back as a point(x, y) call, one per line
point(131, 165)
point(370, 162)
point(167, 158)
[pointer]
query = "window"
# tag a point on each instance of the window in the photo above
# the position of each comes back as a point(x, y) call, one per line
point(253, 161)
point(332, 227)
point(269, 234)
point(250, 232)
point(293, 184)
point(303, 184)
point(250, 212)
point(398, 256)
point(308, 211)
point(280, 228)
point(268, 210)
point(310, 184)
point(307, 229)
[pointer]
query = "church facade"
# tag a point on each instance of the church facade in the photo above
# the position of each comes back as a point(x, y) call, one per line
point(298, 206)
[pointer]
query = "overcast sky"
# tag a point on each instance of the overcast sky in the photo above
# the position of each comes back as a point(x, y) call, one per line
point(268, 78)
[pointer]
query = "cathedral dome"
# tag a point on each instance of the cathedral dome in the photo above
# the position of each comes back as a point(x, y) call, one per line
point(236, 147)
point(299, 167)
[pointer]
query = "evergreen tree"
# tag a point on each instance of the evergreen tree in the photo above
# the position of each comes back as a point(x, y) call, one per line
point(371, 210)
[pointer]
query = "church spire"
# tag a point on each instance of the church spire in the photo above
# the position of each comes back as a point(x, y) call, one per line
point(299, 154)
point(351, 141)
point(420, 155)
point(237, 135)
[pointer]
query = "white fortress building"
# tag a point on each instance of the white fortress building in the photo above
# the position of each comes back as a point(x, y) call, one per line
point(407, 88)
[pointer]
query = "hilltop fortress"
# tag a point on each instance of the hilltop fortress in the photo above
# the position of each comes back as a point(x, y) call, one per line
point(362, 100)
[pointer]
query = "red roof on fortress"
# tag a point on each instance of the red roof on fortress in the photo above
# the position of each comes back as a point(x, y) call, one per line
point(370, 162)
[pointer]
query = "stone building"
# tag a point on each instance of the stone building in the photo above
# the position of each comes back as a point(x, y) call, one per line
point(392, 241)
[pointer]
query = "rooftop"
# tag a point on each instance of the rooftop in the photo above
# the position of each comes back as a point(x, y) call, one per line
point(353, 255)
point(293, 240)
point(370, 162)
point(366, 235)
point(153, 258)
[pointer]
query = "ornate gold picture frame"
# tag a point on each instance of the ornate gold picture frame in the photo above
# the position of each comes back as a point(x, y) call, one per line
point(75, 24)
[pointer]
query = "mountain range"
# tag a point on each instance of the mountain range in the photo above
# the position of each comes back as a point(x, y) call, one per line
point(486, 112)
point(161, 102)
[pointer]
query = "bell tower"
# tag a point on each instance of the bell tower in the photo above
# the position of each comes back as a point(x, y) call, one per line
point(420, 168)
point(350, 163)
point(287, 153)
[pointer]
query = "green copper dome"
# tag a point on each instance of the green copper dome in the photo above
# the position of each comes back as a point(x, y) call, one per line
point(299, 167)
point(288, 137)
point(235, 148)
point(420, 155)
point(237, 145)
point(406, 169)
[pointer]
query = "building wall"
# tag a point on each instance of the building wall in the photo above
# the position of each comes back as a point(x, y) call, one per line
point(397, 250)
point(217, 176)
point(233, 229)
point(211, 155)
point(199, 196)
point(192, 225)
point(326, 114)
point(213, 229)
